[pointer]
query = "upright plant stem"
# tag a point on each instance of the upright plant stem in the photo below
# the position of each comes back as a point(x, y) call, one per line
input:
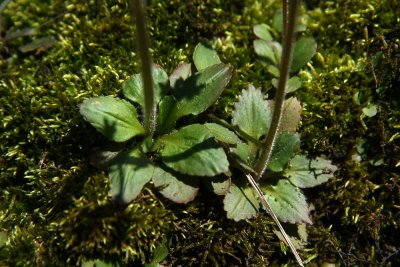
point(139, 18)
point(285, 66)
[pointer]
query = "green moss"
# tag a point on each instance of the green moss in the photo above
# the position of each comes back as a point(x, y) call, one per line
point(54, 207)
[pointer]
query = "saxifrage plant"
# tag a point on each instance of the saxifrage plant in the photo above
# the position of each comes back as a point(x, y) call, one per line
point(172, 159)
point(261, 140)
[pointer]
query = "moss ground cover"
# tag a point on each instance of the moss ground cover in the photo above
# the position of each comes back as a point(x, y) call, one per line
point(54, 206)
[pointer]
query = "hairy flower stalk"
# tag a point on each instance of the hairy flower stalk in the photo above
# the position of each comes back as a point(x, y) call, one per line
point(139, 18)
point(286, 62)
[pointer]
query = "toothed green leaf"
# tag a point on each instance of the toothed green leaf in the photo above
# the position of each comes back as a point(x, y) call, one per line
point(114, 118)
point(192, 150)
point(287, 201)
point(129, 172)
point(286, 144)
point(304, 172)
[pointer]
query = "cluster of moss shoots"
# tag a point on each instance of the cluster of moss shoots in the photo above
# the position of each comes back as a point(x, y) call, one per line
point(252, 161)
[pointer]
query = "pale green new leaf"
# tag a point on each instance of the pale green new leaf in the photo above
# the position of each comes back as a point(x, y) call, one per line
point(304, 172)
point(133, 87)
point(222, 134)
point(262, 32)
point(182, 189)
point(129, 172)
point(192, 150)
point(286, 144)
point(264, 50)
point(202, 89)
point(252, 113)
point(114, 118)
point(293, 84)
point(240, 202)
point(304, 50)
point(287, 201)
point(204, 57)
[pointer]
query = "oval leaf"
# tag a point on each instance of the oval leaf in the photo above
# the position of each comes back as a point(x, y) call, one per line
point(287, 201)
point(304, 50)
point(192, 150)
point(180, 190)
point(204, 57)
point(222, 134)
point(304, 172)
point(252, 113)
point(133, 87)
point(262, 32)
point(286, 144)
point(202, 89)
point(114, 118)
point(129, 172)
point(240, 203)
point(264, 50)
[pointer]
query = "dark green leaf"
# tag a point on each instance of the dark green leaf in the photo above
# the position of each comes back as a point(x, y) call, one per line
point(244, 157)
point(133, 87)
point(287, 201)
point(114, 118)
point(286, 144)
point(304, 50)
point(192, 150)
point(222, 134)
point(182, 189)
point(202, 89)
point(304, 172)
point(240, 203)
point(204, 57)
point(252, 113)
point(129, 172)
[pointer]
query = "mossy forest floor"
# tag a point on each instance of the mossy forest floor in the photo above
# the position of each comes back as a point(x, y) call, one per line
point(54, 206)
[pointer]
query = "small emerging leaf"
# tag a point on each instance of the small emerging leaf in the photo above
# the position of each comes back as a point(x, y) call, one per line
point(167, 114)
point(287, 201)
point(240, 203)
point(129, 172)
point(222, 134)
point(202, 89)
point(304, 50)
point(219, 184)
point(133, 87)
point(293, 83)
point(192, 150)
point(114, 118)
point(180, 190)
point(286, 144)
point(262, 32)
point(252, 113)
point(304, 172)
point(370, 110)
point(204, 57)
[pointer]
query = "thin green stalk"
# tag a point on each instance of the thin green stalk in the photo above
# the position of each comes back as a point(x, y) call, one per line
point(286, 62)
point(139, 18)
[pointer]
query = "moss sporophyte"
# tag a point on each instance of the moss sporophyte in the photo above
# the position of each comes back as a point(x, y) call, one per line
point(260, 141)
